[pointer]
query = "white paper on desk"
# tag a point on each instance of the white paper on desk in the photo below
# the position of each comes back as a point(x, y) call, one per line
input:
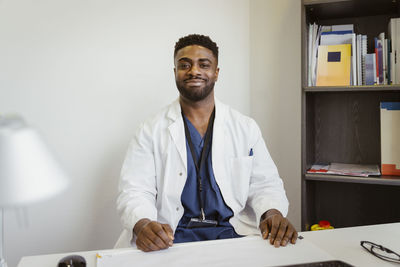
point(247, 251)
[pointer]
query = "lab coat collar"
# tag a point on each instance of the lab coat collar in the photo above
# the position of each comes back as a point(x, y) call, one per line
point(177, 131)
point(174, 112)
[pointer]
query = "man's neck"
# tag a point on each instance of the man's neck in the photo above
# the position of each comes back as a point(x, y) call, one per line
point(198, 112)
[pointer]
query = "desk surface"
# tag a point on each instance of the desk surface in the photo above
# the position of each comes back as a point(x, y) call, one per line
point(343, 244)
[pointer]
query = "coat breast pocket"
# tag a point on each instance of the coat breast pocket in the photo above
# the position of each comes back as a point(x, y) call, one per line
point(241, 168)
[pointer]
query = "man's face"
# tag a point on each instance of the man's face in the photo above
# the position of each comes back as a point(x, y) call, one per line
point(196, 72)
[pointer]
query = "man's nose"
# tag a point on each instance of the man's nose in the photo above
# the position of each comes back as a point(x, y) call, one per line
point(194, 70)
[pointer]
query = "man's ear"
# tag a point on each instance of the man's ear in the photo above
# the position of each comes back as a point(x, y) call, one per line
point(216, 74)
point(175, 71)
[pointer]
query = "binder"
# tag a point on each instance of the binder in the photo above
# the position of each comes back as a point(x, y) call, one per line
point(363, 58)
point(370, 76)
point(334, 64)
point(349, 38)
point(390, 141)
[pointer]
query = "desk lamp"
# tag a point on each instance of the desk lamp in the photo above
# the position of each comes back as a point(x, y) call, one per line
point(28, 171)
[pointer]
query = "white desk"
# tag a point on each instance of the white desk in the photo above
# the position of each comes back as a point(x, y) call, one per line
point(343, 244)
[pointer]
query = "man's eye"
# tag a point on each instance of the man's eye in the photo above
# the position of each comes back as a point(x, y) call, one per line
point(204, 66)
point(184, 66)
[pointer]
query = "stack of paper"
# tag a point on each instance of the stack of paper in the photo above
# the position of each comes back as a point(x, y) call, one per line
point(353, 169)
point(346, 169)
point(319, 168)
point(234, 252)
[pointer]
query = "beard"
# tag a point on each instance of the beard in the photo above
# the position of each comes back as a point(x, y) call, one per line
point(195, 94)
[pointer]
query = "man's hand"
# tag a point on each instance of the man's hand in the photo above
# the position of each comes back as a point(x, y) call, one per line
point(152, 235)
point(279, 229)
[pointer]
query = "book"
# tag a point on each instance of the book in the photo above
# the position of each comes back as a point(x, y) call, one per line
point(313, 42)
point(364, 46)
point(334, 63)
point(310, 49)
point(379, 60)
point(381, 38)
point(358, 49)
point(394, 35)
point(343, 27)
point(335, 32)
point(338, 28)
point(370, 69)
point(390, 141)
point(389, 66)
point(374, 68)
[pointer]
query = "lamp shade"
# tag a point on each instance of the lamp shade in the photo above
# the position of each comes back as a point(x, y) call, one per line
point(28, 170)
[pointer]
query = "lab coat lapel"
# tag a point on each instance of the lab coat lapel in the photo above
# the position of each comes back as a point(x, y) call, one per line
point(176, 129)
point(218, 144)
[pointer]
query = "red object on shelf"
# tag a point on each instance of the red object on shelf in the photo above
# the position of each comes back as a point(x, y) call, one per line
point(324, 224)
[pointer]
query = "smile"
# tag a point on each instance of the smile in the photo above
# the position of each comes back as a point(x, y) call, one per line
point(195, 81)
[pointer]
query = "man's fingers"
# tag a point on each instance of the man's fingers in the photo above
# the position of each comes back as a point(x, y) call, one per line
point(275, 223)
point(288, 233)
point(264, 229)
point(140, 245)
point(154, 236)
point(281, 231)
point(150, 244)
point(284, 241)
point(169, 232)
point(159, 236)
point(294, 238)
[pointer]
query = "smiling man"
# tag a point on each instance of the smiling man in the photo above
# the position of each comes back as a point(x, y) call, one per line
point(200, 170)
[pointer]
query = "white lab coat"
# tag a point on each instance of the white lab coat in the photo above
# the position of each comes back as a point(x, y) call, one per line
point(155, 170)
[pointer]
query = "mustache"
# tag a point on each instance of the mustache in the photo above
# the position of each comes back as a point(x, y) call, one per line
point(195, 78)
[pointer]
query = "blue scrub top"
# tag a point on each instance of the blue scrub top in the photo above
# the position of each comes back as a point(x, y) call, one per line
point(214, 205)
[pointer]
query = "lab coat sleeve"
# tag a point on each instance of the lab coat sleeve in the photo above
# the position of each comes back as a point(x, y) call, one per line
point(137, 186)
point(266, 189)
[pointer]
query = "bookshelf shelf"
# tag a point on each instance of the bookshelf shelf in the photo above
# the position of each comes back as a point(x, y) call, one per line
point(321, 10)
point(365, 88)
point(342, 124)
point(383, 180)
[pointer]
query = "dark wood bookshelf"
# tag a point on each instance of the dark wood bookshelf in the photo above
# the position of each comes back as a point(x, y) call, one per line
point(326, 10)
point(382, 180)
point(342, 124)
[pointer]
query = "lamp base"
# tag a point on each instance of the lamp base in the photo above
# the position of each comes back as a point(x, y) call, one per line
point(3, 263)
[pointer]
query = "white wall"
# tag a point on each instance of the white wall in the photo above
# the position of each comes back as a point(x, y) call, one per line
point(86, 73)
point(276, 88)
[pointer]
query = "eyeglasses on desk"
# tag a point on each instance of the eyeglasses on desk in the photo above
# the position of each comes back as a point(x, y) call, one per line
point(380, 251)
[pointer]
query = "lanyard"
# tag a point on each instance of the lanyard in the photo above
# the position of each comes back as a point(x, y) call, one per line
point(198, 164)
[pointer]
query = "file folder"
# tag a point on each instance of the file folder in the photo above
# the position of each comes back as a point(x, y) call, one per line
point(334, 65)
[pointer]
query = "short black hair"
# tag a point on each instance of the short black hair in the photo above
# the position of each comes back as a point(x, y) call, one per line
point(197, 39)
